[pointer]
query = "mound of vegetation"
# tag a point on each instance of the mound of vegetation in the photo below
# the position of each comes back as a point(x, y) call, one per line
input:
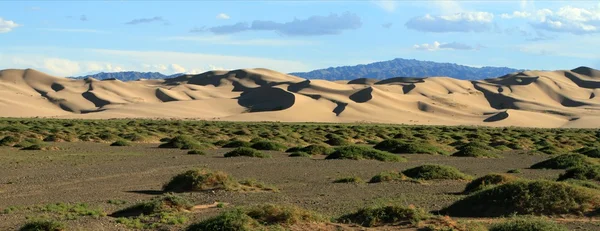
point(161, 204)
point(245, 151)
point(388, 176)
point(196, 152)
point(527, 198)
point(563, 162)
point(528, 224)
point(435, 172)
point(583, 183)
point(261, 217)
point(317, 149)
point(182, 142)
point(582, 172)
point(351, 179)
point(121, 143)
point(487, 181)
point(299, 154)
point(268, 145)
point(204, 179)
point(9, 141)
point(397, 146)
point(336, 140)
point(476, 149)
point(593, 152)
point(34, 147)
point(237, 144)
point(385, 215)
point(355, 152)
point(43, 226)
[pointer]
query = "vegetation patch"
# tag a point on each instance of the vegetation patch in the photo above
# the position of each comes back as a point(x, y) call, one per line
point(476, 149)
point(351, 179)
point(299, 154)
point(385, 215)
point(9, 141)
point(237, 144)
point(43, 226)
point(160, 211)
point(593, 152)
point(582, 172)
point(528, 224)
point(196, 152)
point(355, 152)
point(563, 162)
point(527, 198)
point(245, 151)
point(387, 176)
point(583, 183)
point(435, 172)
point(336, 140)
point(263, 217)
point(397, 146)
point(204, 179)
point(121, 143)
point(317, 149)
point(268, 145)
point(182, 142)
point(487, 181)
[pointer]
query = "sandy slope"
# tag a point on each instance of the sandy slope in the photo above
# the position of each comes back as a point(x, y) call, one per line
point(534, 99)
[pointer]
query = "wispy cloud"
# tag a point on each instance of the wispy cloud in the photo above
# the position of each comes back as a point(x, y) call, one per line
point(227, 40)
point(222, 16)
point(459, 22)
point(435, 46)
point(387, 5)
point(7, 25)
point(71, 30)
point(147, 20)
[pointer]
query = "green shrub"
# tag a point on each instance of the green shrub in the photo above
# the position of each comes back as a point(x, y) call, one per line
point(161, 204)
point(476, 149)
point(355, 152)
point(487, 181)
point(121, 143)
point(388, 176)
point(43, 226)
point(199, 180)
point(234, 220)
point(268, 145)
point(335, 140)
point(396, 146)
point(351, 179)
point(196, 152)
point(237, 144)
point(182, 142)
point(244, 151)
point(33, 147)
point(527, 198)
point(582, 172)
point(435, 172)
point(563, 162)
point(300, 154)
point(9, 141)
point(385, 215)
point(593, 152)
point(528, 224)
point(317, 149)
point(583, 183)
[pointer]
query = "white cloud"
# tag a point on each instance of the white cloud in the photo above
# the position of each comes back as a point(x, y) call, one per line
point(7, 26)
point(222, 16)
point(176, 68)
point(61, 67)
point(566, 19)
point(459, 22)
point(228, 40)
point(73, 30)
point(387, 5)
point(516, 14)
point(449, 7)
point(435, 46)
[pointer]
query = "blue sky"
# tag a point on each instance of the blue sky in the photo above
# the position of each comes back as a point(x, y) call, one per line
point(81, 37)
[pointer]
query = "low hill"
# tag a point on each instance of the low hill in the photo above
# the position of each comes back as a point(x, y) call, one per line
point(563, 98)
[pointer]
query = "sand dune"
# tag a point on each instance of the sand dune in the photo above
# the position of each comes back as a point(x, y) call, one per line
point(567, 98)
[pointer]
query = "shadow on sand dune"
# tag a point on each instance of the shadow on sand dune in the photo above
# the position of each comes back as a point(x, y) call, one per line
point(266, 99)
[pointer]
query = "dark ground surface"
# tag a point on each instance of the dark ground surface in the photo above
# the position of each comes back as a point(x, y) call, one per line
point(94, 173)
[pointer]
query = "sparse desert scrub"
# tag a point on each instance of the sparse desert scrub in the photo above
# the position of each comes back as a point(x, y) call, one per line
point(564, 161)
point(9, 141)
point(299, 154)
point(527, 198)
point(43, 226)
point(350, 179)
point(583, 183)
point(184, 142)
point(156, 213)
point(476, 149)
point(397, 146)
point(121, 143)
point(435, 172)
point(336, 140)
point(593, 151)
point(317, 149)
point(268, 145)
point(262, 217)
point(355, 152)
point(582, 172)
point(527, 224)
point(237, 144)
point(489, 180)
point(385, 215)
point(205, 179)
point(387, 176)
point(196, 152)
point(245, 151)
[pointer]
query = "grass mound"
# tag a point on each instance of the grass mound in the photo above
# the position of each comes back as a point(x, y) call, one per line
point(317, 149)
point(476, 149)
point(336, 140)
point(528, 224)
point(43, 226)
point(204, 179)
point(355, 152)
point(161, 204)
point(196, 152)
point(385, 215)
point(583, 183)
point(299, 154)
point(563, 162)
point(527, 198)
point(487, 181)
point(245, 151)
point(9, 141)
point(593, 152)
point(199, 180)
point(388, 176)
point(268, 145)
point(237, 144)
point(121, 143)
point(397, 146)
point(435, 172)
point(351, 179)
point(182, 142)
point(33, 147)
point(582, 172)
point(257, 218)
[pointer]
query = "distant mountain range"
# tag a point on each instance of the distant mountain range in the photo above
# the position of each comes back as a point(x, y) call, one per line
point(406, 68)
point(379, 70)
point(128, 75)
